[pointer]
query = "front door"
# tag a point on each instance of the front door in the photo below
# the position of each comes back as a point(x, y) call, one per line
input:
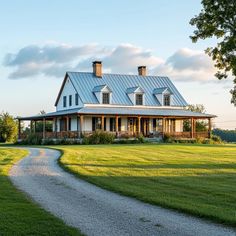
point(132, 125)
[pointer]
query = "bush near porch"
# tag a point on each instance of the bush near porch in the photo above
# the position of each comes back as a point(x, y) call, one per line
point(197, 179)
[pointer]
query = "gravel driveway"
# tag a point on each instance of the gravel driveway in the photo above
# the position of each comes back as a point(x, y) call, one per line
point(96, 211)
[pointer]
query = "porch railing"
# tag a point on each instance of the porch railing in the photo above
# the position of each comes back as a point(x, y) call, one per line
point(120, 134)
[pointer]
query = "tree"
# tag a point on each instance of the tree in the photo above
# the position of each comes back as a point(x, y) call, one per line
point(8, 128)
point(218, 19)
point(200, 125)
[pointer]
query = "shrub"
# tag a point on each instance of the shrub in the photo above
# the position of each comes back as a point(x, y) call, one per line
point(199, 140)
point(167, 138)
point(32, 139)
point(99, 137)
point(216, 138)
point(8, 128)
point(140, 138)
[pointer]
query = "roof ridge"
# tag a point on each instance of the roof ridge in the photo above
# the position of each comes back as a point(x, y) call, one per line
point(87, 72)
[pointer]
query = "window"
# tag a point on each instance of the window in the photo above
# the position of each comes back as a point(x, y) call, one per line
point(113, 124)
point(69, 128)
point(157, 125)
point(64, 101)
point(96, 123)
point(70, 100)
point(105, 98)
point(76, 99)
point(139, 99)
point(166, 100)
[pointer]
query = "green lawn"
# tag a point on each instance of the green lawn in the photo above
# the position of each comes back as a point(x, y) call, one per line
point(18, 215)
point(198, 179)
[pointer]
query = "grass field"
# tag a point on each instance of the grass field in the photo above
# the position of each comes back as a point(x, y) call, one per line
point(18, 215)
point(198, 179)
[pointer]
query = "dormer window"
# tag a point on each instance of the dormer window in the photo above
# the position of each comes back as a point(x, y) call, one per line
point(164, 96)
point(136, 95)
point(103, 94)
point(105, 98)
point(139, 99)
point(166, 99)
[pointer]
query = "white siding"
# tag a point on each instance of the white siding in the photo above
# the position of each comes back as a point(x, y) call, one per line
point(151, 125)
point(123, 124)
point(87, 124)
point(68, 90)
point(74, 123)
point(179, 126)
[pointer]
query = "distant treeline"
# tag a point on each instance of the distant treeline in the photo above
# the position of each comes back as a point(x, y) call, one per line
point(226, 135)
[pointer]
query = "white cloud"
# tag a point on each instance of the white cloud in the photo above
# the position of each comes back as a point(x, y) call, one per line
point(188, 65)
point(54, 60)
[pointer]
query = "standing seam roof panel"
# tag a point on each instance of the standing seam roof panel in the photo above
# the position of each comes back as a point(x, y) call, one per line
point(85, 83)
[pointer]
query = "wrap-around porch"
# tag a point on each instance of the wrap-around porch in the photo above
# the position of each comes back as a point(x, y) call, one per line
point(76, 126)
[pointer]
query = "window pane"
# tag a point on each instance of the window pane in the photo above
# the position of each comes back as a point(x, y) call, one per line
point(166, 100)
point(76, 99)
point(105, 98)
point(64, 101)
point(70, 100)
point(139, 99)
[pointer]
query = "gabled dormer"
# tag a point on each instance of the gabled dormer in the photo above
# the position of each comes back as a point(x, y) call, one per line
point(136, 95)
point(103, 94)
point(163, 95)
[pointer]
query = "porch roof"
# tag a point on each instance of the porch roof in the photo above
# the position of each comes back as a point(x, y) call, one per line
point(121, 111)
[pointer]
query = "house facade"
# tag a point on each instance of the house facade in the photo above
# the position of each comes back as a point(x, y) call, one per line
point(127, 105)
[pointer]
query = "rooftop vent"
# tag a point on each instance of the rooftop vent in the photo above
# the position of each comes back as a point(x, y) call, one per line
point(97, 68)
point(142, 70)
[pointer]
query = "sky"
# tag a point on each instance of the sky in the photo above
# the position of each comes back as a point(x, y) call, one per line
point(41, 40)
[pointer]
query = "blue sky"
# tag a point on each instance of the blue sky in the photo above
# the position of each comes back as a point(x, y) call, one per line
point(40, 40)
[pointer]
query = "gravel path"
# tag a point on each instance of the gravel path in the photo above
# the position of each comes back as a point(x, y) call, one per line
point(96, 211)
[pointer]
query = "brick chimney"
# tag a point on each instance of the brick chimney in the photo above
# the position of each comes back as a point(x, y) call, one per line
point(142, 70)
point(97, 68)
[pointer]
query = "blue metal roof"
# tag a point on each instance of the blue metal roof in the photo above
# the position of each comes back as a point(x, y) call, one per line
point(141, 111)
point(123, 111)
point(84, 82)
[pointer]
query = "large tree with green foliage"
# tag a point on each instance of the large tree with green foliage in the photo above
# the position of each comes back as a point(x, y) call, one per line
point(8, 128)
point(218, 19)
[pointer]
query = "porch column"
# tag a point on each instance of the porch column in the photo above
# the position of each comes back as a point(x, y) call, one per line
point(77, 125)
point(117, 126)
point(67, 123)
point(102, 123)
point(44, 125)
point(139, 124)
point(35, 126)
point(163, 126)
point(209, 127)
point(19, 129)
point(81, 125)
point(192, 127)
point(55, 126)
point(31, 126)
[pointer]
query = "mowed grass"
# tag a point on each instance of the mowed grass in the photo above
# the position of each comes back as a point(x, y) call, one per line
point(19, 215)
point(197, 179)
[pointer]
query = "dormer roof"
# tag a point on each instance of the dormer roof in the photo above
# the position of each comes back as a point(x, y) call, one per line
point(136, 89)
point(101, 88)
point(162, 90)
